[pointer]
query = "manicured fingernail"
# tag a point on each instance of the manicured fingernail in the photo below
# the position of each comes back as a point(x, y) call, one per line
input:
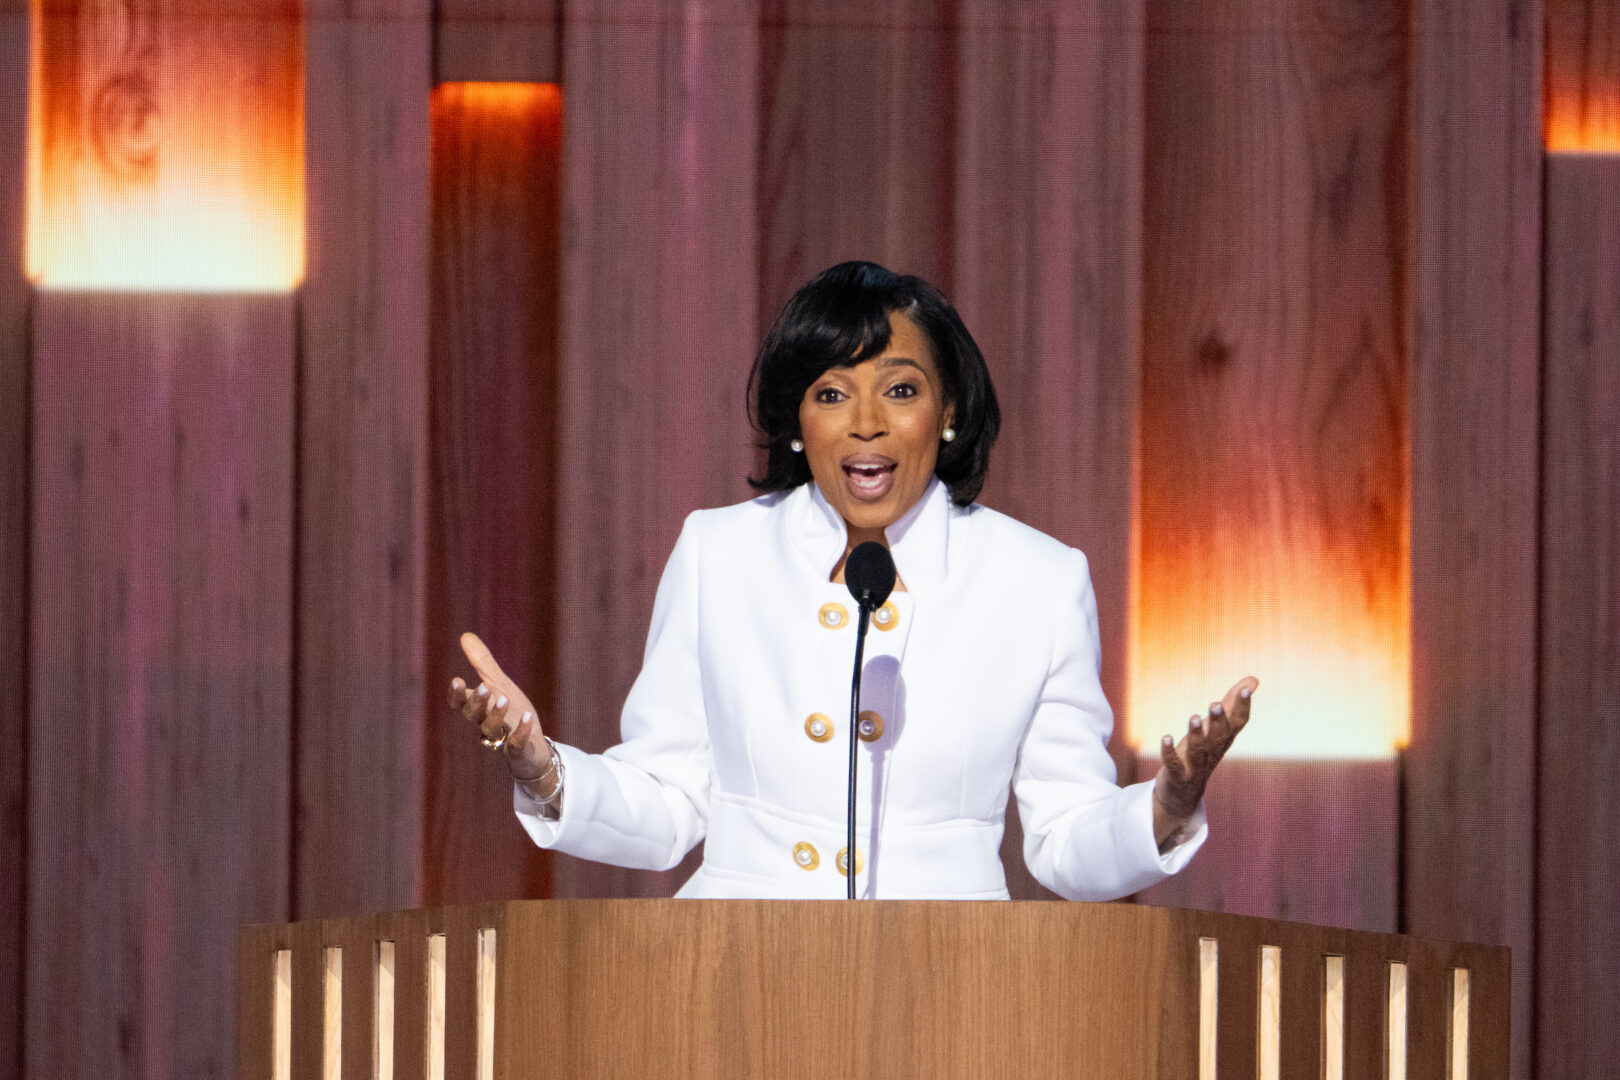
point(530, 716)
point(1245, 692)
point(500, 702)
point(483, 691)
point(1216, 709)
point(1197, 722)
point(1168, 741)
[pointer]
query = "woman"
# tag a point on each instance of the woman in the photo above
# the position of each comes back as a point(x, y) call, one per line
point(878, 416)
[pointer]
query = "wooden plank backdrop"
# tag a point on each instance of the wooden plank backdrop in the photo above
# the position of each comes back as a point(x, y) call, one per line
point(1277, 263)
point(160, 669)
point(1271, 533)
point(856, 136)
point(1578, 866)
point(1047, 217)
point(14, 396)
point(362, 460)
point(497, 157)
point(496, 40)
point(1474, 248)
point(658, 331)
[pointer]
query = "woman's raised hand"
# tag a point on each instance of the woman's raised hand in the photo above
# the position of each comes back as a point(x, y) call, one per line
point(502, 712)
point(1189, 764)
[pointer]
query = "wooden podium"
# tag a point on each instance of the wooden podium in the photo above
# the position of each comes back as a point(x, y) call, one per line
point(588, 989)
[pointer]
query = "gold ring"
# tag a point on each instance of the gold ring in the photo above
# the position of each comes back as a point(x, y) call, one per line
point(494, 744)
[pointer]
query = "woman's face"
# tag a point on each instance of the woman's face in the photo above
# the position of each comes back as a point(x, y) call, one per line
point(872, 431)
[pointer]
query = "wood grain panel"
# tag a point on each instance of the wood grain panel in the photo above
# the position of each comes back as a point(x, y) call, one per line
point(1047, 208)
point(1582, 110)
point(821, 989)
point(1315, 842)
point(856, 106)
point(1578, 863)
point(362, 456)
point(169, 148)
point(496, 41)
point(161, 652)
point(496, 175)
point(658, 331)
point(14, 396)
point(1272, 448)
point(1469, 800)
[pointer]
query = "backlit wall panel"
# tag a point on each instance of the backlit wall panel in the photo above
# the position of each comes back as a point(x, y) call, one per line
point(166, 147)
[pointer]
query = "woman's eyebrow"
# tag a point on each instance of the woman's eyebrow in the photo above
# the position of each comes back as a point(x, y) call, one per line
point(896, 361)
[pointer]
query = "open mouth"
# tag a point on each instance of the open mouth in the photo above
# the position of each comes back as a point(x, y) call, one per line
point(869, 477)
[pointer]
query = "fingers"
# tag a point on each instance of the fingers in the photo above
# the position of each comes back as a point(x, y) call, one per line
point(1173, 763)
point(1238, 700)
point(478, 655)
point(493, 726)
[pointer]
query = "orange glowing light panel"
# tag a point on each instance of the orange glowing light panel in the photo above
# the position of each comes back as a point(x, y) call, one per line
point(1273, 553)
point(166, 146)
point(494, 101)
point(1335, 675)
point(1582, 107)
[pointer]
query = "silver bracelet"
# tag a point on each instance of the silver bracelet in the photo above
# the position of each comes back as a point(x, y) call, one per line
point(556, 766)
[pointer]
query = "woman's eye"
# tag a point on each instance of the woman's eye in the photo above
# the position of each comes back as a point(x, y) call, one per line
point(829, 395)
point(903, 390)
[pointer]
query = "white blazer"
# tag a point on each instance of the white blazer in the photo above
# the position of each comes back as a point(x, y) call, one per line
point(982, 674)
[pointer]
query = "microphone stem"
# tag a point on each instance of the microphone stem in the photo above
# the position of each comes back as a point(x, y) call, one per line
point(854, 737)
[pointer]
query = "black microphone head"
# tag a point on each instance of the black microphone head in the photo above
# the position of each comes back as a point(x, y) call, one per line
point(869, 573)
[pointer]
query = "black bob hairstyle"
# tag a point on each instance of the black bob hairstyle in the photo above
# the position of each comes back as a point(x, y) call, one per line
point(840, 318)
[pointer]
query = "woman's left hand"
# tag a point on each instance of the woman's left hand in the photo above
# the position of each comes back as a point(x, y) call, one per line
point(1188, 766)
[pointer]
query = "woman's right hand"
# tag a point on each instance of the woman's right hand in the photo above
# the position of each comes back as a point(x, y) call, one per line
point(491, 705)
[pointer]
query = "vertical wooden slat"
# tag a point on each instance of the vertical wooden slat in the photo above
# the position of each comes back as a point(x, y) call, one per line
point(856, 108)
point(357, 937)
point(161, 643)
point(14, 393)
point(408, 930)
point(492, 549)
point(496, 40)
point(657, 333)
point(1578, 869)
point(1583, 75)
point(1272, 451)
point(255, 1001)
point(308, 1000)
point(1474, 263)
point(1238, 1001)
point(1365, 1004)
point(1047, 210)
point(362, 482)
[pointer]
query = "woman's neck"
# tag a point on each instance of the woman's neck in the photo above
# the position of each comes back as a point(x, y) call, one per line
point(857, 537)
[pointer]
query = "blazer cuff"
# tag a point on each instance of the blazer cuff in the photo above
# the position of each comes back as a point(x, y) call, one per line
point(546, 826)
point(1194, 831)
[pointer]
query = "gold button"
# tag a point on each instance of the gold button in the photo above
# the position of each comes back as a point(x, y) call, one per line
point(843, 861)
point(807, 857)
point(834, 616)
point(818, 726)
point(870, 729)
point(886, 617)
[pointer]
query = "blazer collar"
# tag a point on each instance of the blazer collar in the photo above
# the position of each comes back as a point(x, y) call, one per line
point(918, 541)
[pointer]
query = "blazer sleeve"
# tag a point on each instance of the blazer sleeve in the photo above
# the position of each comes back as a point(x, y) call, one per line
point(1085, 838)
point(645, 802)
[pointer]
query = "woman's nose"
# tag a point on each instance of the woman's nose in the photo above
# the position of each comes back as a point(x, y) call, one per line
point(868, 421)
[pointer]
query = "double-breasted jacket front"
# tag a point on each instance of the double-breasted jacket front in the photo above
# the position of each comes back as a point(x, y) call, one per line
point(982, 674)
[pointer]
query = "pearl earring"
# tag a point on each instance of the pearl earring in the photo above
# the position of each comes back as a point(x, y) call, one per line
point(798, 446)
point(948, 434)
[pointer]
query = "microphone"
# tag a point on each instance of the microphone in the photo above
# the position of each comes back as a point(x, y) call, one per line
point(869, 574)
